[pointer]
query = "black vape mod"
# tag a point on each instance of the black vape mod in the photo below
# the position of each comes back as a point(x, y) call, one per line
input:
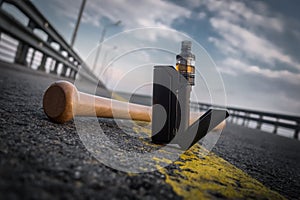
point(171, 103)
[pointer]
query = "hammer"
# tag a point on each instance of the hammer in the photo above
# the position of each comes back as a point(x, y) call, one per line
point(62, 101)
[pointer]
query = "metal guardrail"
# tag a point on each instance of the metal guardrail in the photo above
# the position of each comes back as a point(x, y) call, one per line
point(7, 49)
point(29, 40)
point(246, 116)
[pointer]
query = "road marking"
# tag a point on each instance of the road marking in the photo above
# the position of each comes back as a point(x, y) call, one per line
point(199, 174)
point(210, 176)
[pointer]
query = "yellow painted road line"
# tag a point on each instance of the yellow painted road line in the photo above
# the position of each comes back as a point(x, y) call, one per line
point(212, 177)
point(199, 174)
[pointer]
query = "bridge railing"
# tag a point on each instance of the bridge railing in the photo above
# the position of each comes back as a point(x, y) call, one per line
point(246, 116)
point(62, 56)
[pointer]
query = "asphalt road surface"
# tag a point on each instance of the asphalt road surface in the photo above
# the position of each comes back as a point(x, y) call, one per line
point(43, 160)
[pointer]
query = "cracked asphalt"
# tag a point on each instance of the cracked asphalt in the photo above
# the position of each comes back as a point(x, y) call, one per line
point(43, 160)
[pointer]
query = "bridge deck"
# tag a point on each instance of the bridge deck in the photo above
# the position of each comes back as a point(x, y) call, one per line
point(40, 159)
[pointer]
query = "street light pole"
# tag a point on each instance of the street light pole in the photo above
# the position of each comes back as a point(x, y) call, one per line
point(101, 40)
point(77, 23)
point(105, 78)
point(105, 55)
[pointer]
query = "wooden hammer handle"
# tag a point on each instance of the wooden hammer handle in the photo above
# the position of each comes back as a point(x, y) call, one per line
point(89, 105)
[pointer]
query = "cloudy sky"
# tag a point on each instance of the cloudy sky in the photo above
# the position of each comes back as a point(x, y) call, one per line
point(254, 44)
